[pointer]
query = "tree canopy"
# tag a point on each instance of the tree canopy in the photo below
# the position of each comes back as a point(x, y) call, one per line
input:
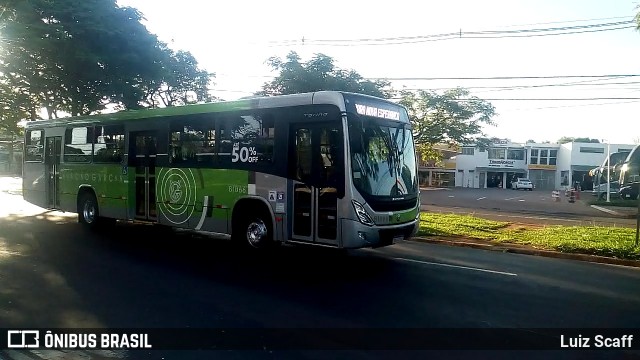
point(319, 73)
point(568, 139)
point(78, 56)
point(453, 117)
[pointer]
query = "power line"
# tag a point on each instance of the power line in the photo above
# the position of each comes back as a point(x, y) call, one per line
point(556, 99)
point(567, 84)
point(531, 32)
point(572, 106)
point(501, 77)
point(545, 99)
point(516, 87)
point(573, 21)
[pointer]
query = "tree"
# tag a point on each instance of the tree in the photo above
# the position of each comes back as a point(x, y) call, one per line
point(182, 81)
point(78, 56)
point(319, 73)
point(453, 117)
point(567, 139)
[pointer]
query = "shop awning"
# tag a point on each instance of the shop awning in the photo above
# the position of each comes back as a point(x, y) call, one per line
point(581, 167)
point(494, 169)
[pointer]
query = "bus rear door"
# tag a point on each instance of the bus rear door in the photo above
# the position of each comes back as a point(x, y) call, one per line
point(142, 155)
point(53, 150)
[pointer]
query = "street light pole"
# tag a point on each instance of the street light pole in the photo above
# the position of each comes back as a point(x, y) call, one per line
point(608, 171)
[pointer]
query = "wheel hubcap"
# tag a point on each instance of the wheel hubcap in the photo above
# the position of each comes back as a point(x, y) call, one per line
point(256, 232)
point(89, 212)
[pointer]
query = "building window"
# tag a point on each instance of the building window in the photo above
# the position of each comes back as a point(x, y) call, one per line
point(553, 155)
point(534, 156)
point(34, 146)
point(593, 150)
point(496, 153)
point(467, 151)
point(515, 154)
point(543, 156)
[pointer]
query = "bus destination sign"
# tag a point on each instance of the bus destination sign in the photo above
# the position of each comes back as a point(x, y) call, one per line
point(377, 112)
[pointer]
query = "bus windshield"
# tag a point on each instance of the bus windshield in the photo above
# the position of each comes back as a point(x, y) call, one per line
point(382, 159)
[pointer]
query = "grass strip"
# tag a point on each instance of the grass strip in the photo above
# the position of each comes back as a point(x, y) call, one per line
point(615, 242)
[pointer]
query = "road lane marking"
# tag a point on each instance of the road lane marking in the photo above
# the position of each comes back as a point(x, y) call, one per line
point(457, 266)
point(513, 198)
point(521, 200)
point(484, 197)
point(451, 196)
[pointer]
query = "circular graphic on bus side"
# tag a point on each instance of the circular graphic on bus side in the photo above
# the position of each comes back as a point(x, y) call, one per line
point(176, 191)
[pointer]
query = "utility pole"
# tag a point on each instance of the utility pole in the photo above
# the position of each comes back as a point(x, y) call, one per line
point(608, 171)
point(638, 221)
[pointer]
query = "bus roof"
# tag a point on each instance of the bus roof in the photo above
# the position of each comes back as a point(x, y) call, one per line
point(320, 97)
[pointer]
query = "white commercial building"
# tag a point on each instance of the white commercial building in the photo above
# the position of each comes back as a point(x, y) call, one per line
point(548, 166)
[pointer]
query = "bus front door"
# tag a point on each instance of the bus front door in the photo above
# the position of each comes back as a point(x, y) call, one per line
point(316, 170)
point(53, 148)
point(143, 158)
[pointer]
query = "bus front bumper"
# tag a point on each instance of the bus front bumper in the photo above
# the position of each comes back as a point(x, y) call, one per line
point(357, 235)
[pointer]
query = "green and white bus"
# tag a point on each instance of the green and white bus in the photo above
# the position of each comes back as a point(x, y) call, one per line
point(325, 168)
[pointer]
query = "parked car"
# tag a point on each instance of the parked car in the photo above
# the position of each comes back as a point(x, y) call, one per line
point(522, 183)
point(630, 192)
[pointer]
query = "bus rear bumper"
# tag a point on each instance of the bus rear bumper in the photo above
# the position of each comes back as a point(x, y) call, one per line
point(357, 235)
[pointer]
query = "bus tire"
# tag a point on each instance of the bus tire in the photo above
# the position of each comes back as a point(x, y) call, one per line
point(253, 232)
point(87, 209)
point(89, 212)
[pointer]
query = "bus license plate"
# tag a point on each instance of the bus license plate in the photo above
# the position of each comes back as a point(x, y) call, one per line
point(398, 238)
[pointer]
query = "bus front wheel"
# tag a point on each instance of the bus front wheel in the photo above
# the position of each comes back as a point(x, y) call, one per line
point(88, 211)
point(254, 232)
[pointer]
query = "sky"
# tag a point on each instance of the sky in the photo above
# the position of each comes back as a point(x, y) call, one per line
point(233, 39)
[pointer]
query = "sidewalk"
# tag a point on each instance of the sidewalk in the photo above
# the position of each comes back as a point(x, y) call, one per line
point(618, 211)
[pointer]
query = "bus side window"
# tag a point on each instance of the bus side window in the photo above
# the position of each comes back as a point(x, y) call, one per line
point(108, 144)
point(192, 141)
point(329, 145)
point(78, 144)
point(303, 154)
point(34, 145)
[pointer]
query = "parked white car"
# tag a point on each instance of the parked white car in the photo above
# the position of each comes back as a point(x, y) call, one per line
point(522, 183)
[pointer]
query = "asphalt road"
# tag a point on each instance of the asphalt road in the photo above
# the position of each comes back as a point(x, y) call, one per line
point(56, 274)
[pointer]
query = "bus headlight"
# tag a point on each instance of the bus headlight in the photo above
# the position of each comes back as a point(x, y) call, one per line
point(362, 213)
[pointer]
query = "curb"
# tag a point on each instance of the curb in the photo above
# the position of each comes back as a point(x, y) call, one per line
point(536, 252)
point(613, 212)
